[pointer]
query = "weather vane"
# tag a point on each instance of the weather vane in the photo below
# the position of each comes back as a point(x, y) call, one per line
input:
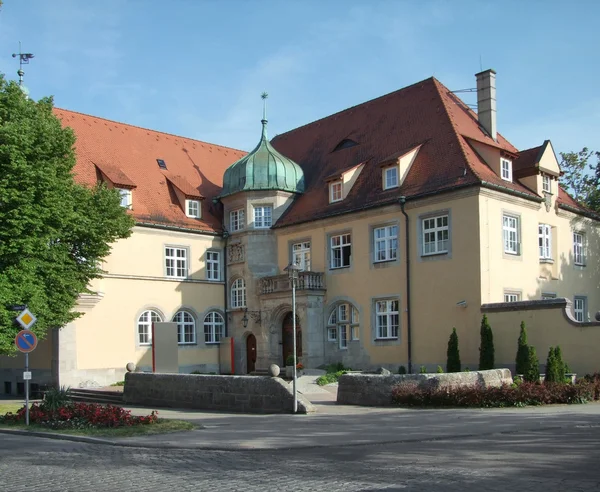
point(264, 96)
point(23, 60)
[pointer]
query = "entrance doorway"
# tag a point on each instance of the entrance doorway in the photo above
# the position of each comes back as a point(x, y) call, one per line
point(287, 331)
point(250, 353)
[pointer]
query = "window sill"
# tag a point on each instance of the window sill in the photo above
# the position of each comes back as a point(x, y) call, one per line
point(212, 343)
point(339, 268)
point(169, 277)
point(580, 265)
point(379, 262)
point(547, 260)
point(511, 253)
point(187, 344)
point(427, 255)
point(385, 339)
point(145, 345)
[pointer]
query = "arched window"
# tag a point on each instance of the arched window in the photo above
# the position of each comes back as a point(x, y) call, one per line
point(238, 293)
point(186, 328)
point(343, 324)
point(144, 326)
point(214, 328)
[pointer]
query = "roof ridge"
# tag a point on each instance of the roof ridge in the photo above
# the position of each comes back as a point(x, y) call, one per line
point(150, 129)
point(352, 107)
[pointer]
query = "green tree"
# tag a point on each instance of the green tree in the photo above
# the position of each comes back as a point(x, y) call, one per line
point(486, 347)
point(453, 354)
point(53, 231)
point(560, 365)
point(552, 370)
point(522, 359)
point(532, 374)
point(582, 178)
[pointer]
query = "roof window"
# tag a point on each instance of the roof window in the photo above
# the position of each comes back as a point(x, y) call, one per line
point(162, 164)
point(344, 144)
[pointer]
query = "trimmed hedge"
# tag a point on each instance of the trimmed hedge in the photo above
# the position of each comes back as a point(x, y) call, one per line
point(410, 394)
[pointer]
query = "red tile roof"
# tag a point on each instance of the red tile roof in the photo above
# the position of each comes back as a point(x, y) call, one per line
point(193, 166)
point(425, 114)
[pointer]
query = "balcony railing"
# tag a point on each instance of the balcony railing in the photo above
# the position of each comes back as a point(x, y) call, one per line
point(282, 283)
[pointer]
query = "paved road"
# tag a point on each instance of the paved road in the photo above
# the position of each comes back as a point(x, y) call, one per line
point(559, 459)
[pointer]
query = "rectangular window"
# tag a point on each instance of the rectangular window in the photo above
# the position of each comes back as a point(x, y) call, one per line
point(548, 295)
point(578, 252)
point(510, 231)
point(506, 170)
point(343, 336)
point(341, 251)
point(193, 208)
point(332, 334)
point(386, 243)
point(237, 220)
point(546, 186)
point(176, 262)
point(126, 196)
point(436, 234)
point(545, 241)
point(335, 192)
point(263, 217)
point(301, 255)
point(213, 265)
point(512, 297)
point(355, 332)
point(390, 177)
point(387, 319)
point(580, 308)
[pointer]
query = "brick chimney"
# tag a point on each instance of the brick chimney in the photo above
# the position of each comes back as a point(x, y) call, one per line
point(486, 101)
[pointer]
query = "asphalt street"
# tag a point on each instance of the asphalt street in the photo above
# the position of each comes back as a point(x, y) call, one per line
point(549, 459)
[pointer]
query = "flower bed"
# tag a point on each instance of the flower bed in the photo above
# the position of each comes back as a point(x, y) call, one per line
point(515, 395)
point(78, 416)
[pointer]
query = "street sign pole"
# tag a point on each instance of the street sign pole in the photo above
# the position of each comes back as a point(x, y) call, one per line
point(26, 341)
point(27, 390)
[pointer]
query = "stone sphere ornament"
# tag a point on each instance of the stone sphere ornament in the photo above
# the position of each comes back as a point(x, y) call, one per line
point(130, 367)
point(274, 370)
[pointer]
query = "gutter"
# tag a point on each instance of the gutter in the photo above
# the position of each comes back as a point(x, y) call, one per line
point(153, 225)
point(408, 310)
point(586, 213)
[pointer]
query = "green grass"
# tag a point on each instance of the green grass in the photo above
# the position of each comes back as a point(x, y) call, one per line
point(163, 426)
point(10, 407)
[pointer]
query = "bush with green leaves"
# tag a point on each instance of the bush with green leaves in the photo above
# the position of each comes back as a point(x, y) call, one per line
point(532, 375)
point(555, 367)
point(402, 370)
point(55, 398)
point(423, 370)
point(453, 354)
point(440, 370)
point(333, 373)
point(486, 347)
point(522, 360)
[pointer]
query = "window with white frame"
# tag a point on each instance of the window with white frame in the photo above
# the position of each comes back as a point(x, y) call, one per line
point(545, 241)
point(580, 308)
point(341, 251)
point(546, 184)
point(506, 174)
point(578, 251)
point(214, 327)
point(263, 217)
point(186, 328)
point(301, 255)
point(213, 265)
point(390, 177)
point(192, 208)
point(237, 220)
point(335, 191)
point(144, 326)
point(386, 243)
point(512, 297)
point(387, 319)
point(510, 231)
point(343, 325)
point(436, 234)
point(126, 197)
point(176, 262)
point(238, 293)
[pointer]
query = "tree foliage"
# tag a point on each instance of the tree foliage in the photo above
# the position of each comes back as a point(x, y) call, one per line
point(53, 231)
point(486, 347)
point(581, 177)
point(522, 351)
point(453, 354)
point(532, 374)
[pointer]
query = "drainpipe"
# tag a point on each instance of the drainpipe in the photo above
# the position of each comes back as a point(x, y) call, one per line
point(408, 310)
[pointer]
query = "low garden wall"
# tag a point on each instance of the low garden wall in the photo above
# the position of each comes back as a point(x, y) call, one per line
point(376, 390)
point(247, 394)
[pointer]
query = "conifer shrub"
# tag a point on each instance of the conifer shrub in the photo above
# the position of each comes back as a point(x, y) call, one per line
point(532, 374)
point(561, 367)
point(486, 347)
point(440, 370)
point(453, 354)
point(402, 370)
point(552, 368)
point(522, 360)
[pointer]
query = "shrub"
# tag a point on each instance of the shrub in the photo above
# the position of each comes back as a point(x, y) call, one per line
point(334, 371)
point(121, 383)
point(423, 370)
point(453, 355)
point(522, 360)
point(289, 360)
point(560, 365)
point(486, 348)
point(402, 370)
point(440, 370)
point(532, 375)
point(54, 398)
point(552, 370)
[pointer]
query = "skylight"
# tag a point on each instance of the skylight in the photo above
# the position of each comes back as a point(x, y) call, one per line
point(344, 144)
point(161, 164)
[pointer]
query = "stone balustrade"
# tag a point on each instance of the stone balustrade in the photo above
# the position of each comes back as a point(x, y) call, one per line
point(282, 283)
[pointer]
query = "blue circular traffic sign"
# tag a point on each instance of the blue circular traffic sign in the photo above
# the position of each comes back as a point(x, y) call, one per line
point(26, 341)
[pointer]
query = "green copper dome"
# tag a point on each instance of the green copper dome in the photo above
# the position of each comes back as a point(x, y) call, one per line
point(263, 169)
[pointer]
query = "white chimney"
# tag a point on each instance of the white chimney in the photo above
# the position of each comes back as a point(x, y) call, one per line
point(486, 101)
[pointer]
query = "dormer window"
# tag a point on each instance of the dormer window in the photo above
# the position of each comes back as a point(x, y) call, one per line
point(335, 191)
point(546, 184)
point(192, 208)
point(390, 177)
point(126, 197)
point(506, 166)
point(345, 144)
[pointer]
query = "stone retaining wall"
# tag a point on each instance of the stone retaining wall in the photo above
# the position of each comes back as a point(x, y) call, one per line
point(376, 390)
point(247, 394)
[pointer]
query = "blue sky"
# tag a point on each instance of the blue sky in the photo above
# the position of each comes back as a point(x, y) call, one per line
point(197, 67)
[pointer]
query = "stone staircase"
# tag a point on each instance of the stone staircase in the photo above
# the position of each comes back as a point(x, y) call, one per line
point(106, 397)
